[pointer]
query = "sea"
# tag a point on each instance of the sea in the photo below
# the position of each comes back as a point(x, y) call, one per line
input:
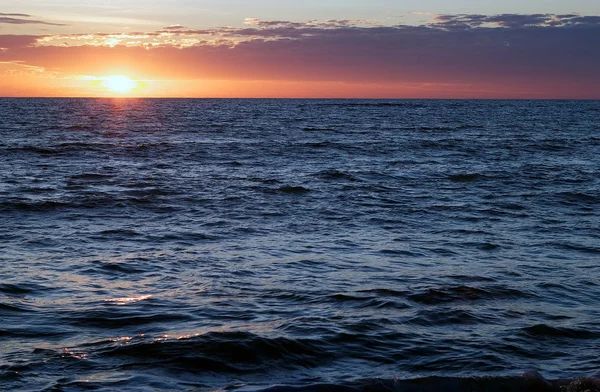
point(299, 245)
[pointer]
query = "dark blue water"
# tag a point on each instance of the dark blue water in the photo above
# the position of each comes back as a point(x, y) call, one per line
point(313, 244)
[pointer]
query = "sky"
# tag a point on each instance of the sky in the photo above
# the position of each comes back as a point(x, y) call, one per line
point(313, 48)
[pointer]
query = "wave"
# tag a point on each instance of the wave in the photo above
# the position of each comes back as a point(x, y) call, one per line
point(229, 352)
point(579, 248)
point(91, 176)
point(435, 296)
point(150, 200)
point(11, 308)
point(407, 104)
point(528, 382)
point(350, 147)
point(319, 129)
point(333, 174)
point(83, 146)
point(114, 318)
point(293, 189)
point(579, 198)
point(20, 289)
point(366, 302)
point(35, 150)
point(91, 201)
point(63, 149)
point(112, 267)
point(426, 317)
point(546, 331)
point(469, 177)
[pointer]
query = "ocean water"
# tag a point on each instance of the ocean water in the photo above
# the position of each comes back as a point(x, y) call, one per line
point(298, 245)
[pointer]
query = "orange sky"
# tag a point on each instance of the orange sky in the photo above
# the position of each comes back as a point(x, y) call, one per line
point(450, 56)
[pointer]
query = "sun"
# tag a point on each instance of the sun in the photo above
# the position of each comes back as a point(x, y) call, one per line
point(119, 83)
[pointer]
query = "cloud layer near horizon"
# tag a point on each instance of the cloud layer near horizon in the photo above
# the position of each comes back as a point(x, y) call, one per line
point(552, 54)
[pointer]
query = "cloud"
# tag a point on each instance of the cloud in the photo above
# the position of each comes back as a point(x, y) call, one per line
point(330, 23)
point(541, 53)
point(174, 27)
point(18, 41)
point(23, 15)
point(23, 19)
point(468, 21)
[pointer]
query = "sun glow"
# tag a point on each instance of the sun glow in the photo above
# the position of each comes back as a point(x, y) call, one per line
point(119, 83)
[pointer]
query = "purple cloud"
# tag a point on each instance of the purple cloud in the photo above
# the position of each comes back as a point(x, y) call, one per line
point(18, 41)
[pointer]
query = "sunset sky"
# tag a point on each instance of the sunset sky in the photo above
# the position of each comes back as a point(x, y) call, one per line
point(268, 48)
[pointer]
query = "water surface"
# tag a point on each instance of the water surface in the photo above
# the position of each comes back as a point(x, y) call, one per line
point(243, 244)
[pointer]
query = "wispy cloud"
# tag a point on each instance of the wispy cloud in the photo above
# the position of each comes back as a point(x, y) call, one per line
point(23, 15)
point(23, 19)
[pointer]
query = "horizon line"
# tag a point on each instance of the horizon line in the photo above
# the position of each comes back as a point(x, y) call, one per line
point(306, 98)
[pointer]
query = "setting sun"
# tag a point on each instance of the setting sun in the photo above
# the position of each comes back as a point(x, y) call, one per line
point(119, 83)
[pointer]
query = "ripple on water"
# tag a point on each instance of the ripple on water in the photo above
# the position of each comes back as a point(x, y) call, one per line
point(461, 293)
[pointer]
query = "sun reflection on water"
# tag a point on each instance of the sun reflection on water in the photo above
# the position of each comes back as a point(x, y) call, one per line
point(127, 300)
point(67, 353)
